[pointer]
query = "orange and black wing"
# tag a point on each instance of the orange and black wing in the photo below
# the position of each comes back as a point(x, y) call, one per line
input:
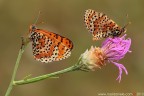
point(100, 25)
point(48, 46)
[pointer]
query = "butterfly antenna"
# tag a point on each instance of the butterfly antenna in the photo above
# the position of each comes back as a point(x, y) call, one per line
point(128, 22)
point(37, 17)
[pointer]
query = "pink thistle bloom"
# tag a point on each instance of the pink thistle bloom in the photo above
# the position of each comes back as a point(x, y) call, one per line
point(115, 49)
point(112, 50)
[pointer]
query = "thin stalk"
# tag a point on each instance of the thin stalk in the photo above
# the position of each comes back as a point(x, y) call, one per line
point(16, 67)
point(75, 67)
point(42, 77)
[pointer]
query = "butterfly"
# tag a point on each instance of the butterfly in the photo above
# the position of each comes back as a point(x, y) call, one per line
point(48, 46)
point(100, 26)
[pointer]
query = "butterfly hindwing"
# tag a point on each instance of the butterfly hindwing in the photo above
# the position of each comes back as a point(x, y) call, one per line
point(48, 46)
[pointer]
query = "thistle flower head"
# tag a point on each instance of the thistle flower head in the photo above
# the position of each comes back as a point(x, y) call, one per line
point(115, 49)
point(112, 50)
point(92, 58)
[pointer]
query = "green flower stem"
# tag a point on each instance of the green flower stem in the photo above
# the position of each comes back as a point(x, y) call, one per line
point(24, 43)
point(27, 80)
point(42, 77)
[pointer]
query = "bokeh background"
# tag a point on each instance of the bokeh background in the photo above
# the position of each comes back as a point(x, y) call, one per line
point(65, 17)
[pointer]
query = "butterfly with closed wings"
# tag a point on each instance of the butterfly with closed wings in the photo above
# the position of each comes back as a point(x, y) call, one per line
point(100, 26)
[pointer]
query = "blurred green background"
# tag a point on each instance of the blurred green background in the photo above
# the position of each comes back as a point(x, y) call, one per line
point(65, 17)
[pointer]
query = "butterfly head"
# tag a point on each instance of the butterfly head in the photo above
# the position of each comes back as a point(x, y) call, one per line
point(118, 32)
point(32, 28)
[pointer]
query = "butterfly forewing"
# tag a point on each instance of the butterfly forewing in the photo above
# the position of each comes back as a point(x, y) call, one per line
point(48, 46)
point(100, 25)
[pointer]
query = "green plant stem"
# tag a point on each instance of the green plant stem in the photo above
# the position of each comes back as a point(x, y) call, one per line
point(42, 77)
point(75, 67)
point(16, 67)
point(27, 80)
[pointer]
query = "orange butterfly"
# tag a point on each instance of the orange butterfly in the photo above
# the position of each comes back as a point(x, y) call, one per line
point(101, 26)
point(48, 46)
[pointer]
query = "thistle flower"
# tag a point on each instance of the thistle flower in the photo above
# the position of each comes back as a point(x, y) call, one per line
point(112, 50)
point(92, 59)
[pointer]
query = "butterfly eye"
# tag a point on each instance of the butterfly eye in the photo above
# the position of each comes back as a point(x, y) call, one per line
point(33, 27)
point(116, 33)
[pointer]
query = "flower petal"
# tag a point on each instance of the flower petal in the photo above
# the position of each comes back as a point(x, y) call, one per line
point(121, 67)
point(116, 48)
